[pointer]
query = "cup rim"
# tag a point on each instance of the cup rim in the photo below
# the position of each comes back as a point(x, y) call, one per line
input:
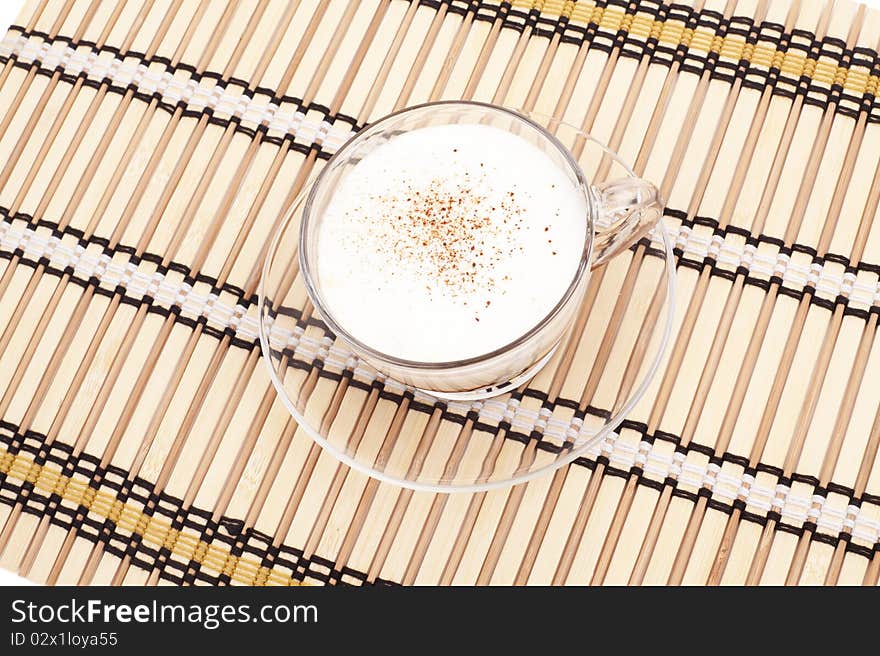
point(583, 265)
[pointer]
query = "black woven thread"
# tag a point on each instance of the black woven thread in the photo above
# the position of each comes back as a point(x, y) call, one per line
point(249, 300)
point(449, 416)
point(230, 531)
point(537, 21)
point(545, 26)
point(116, 541)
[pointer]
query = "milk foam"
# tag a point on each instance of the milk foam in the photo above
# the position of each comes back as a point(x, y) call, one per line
point(449, 242)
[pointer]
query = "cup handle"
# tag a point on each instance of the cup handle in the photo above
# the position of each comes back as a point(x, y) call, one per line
point(628, 209)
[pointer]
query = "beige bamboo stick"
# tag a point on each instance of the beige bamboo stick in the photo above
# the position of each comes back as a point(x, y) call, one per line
point(10, 62)
point(757, 338)
point(222, 346)
point(61, 169)
point(341, 472)
point(467, 528)
point(70, 209)
point(25, 86)
point(369, 405)
point(118, 362)
point(28, 130)
point(848, 401)
point(662, 503)
point(189, 212)
point(82, 369)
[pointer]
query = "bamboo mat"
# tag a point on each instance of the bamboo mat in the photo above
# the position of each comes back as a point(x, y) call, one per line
point(148, 148)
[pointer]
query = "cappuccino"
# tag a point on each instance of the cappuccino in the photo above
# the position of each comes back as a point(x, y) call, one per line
point(450, 242)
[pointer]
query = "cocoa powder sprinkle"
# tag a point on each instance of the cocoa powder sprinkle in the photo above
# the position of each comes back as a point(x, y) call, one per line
point(453, 236)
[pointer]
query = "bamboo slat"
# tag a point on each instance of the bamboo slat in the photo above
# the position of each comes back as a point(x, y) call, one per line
point(141, 444)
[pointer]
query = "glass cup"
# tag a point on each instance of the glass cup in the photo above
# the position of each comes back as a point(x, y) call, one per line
point(618, 213)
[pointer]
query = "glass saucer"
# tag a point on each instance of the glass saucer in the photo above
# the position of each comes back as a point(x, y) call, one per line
point(402, 435)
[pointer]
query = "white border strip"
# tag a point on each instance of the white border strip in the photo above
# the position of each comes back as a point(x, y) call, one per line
point(197, 95)
point(138, 284)
point(655, 463)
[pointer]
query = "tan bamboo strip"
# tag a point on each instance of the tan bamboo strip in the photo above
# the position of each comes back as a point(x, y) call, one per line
point(404, 497)
point(662, 503)
point(794, 335)
point(387, 62)
point(82, 369)
point(832, 331)
point(70, 98)
point(515, 497)
point(159, 342)
point(841, 424)
point(69, 210)
point(61, 169)
point(223, 345)
point(820, 369)
point(249, 442)
point(28, 129)
point(872, 573)
point(485, 52)
point(45, 380)
point(32, 70)
point(421, 57)
point(311, 459)
point(869, 454)
point(449, 63)
point(341, 473)
point(225, 205)
point(512, 64)
point(120, 357)
point(585, 509)
point(725, 434)
point(10, 62)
